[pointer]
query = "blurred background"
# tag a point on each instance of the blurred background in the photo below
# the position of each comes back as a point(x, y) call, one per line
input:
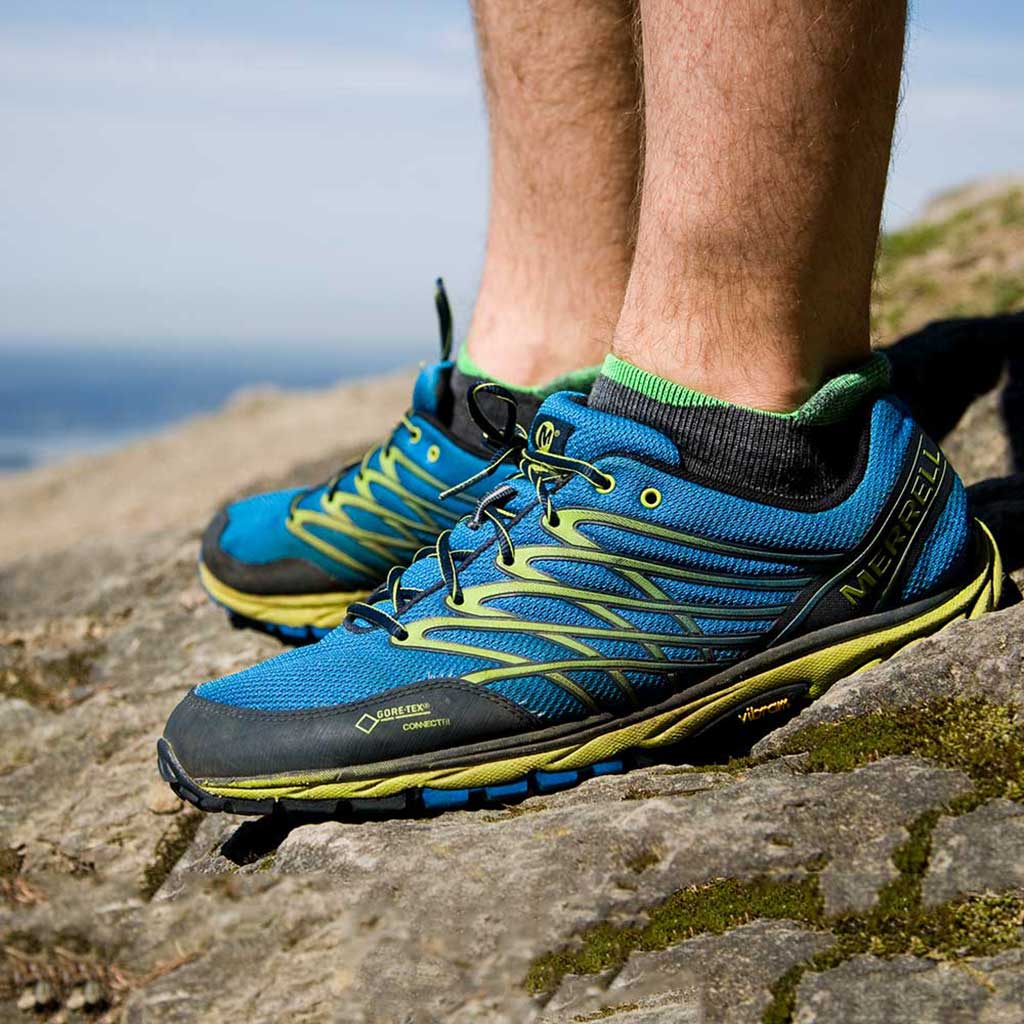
point(198, 197)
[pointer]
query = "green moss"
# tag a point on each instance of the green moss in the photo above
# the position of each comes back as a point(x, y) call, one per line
point(642, 861)
point(169, 850)
point(1007, 293)
point(516, 811)
point(913, 241)
point(606, 1012)
point(983, 740)
point(706, 909)
point(893, 318)
point(1011, 209)
point(898, 923)
point(10, 862)
point(45, 682)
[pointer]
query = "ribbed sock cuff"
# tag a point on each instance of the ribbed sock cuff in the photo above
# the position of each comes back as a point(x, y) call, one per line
point(806, 458)
point(833, 401)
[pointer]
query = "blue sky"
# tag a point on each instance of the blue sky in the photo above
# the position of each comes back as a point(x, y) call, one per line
point(210, 171)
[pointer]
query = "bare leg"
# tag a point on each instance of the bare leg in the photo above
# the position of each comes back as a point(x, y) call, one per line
point(563, 95)
point(768, 132)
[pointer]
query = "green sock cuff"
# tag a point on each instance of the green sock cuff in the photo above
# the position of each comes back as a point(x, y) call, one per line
point(832, 402)
point(575, 380)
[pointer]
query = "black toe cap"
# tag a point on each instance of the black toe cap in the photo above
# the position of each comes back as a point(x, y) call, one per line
point(285, 576)
point(219, 741)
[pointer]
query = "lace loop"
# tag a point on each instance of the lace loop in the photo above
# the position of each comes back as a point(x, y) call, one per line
point(546, 471)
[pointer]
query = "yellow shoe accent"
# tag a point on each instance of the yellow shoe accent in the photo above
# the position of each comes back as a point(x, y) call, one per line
point(821, 668)
point(323, 611)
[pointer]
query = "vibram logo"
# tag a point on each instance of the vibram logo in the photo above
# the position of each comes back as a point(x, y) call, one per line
point(544, 436)
point(753, 714)
point(885, 554)
point(367, 723)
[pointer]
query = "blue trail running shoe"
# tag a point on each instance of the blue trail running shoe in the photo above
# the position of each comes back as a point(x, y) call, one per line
point(291, 562)
point(596, 608)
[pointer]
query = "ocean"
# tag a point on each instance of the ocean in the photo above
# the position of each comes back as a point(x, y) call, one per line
point(58, 401)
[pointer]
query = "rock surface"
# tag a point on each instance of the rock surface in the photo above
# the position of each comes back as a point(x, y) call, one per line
point(909, 990)
point(863, 865)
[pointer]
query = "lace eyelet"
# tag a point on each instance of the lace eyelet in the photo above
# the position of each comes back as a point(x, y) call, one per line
point(457, 599)
point(400, 638)
point(650, 497)
point(607, 489)
point(505, 560)
point(433, 453)
point(552, 520)
point(415, 434)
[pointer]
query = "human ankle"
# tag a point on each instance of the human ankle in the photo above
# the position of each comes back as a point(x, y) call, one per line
point(536, 376)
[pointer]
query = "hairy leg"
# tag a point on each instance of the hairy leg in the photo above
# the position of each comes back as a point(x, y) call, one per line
point(563, 96)
point(768, 134)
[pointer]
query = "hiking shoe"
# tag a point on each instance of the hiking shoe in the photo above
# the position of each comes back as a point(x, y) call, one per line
point(291, 562)
point(597, 608)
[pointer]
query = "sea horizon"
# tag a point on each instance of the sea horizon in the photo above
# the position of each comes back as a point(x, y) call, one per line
point(57, 401)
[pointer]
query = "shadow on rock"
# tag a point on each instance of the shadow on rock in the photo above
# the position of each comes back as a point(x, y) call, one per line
point(940, 371)
point(254, 839)
point(1000, 504)
point(943, 368)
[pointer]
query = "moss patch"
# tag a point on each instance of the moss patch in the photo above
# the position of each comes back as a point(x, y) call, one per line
point(169, 850)
point(983, 740)
point(1011, 209)
point(706, 909)
point(925, 272)
point(605, 1012)
point(913, 241)
point(976, 926)
point(49, 681)
point(642, 861)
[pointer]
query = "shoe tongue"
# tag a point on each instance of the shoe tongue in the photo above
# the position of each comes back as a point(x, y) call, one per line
point(566, 425)
point(432, 385)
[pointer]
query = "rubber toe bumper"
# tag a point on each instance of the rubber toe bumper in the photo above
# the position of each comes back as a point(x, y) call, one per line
point(282, 576)
point(219, 741)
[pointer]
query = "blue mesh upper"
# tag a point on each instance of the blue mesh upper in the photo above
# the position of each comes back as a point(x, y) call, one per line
point(257, 534)
point(944, 546)
point(351, 664)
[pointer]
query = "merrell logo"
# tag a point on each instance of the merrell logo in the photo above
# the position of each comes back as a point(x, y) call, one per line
point(544, 436)
point(753, 714)
point(885, 554)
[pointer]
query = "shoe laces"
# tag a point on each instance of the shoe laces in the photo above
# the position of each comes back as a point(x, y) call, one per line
point(446, 333)
point(546, 471)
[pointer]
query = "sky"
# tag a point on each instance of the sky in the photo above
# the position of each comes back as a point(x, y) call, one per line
point(201, 172)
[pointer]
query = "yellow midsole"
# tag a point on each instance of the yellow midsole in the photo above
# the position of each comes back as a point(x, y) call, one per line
point(820, 668)
point(324, 611)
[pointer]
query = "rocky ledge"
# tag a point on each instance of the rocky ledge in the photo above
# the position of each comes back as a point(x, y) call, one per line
point(862, 863)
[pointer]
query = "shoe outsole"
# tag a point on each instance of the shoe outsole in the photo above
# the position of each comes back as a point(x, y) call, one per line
point(295, 636)
point(252, 611)
point(411, 801)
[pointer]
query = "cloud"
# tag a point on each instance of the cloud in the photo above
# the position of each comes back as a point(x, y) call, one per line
point(134, 67)
point(201, 186)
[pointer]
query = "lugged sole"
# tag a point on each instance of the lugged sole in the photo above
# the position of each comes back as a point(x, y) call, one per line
point(782, 687)
point(287, 615)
